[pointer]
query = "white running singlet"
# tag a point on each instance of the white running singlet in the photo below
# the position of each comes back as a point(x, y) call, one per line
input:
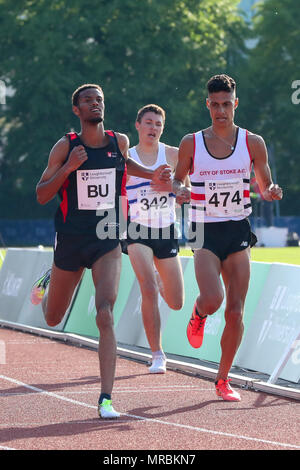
point(220, 186)
point(147, 206)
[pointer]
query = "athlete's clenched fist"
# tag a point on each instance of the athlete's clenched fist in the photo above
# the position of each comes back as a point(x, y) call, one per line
point(77, 157)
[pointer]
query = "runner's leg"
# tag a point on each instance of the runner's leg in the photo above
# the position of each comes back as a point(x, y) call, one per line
point(59, 294)
point(170, 273)
point(207, 270)
point(236, 275)
point(141, 258)
point(106, 276)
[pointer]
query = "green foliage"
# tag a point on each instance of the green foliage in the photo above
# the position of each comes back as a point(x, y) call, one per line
point(266, 104)
point(140, 51)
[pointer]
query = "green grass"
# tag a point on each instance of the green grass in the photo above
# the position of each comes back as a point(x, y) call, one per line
point(289, 254)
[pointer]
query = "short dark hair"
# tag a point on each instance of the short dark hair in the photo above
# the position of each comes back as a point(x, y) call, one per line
point(75, 96)
point(150, 108)
point(221, 83)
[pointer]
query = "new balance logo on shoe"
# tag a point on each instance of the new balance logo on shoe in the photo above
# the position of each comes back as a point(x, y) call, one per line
point(173, 250)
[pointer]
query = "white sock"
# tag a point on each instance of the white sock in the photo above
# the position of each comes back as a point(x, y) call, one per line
point(158, 353)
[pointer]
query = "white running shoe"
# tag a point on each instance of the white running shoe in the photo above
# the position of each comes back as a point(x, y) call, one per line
point(158, 366)
point(106, 410)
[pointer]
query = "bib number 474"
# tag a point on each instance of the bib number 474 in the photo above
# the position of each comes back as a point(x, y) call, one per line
point(216, 201)
point(224, 198)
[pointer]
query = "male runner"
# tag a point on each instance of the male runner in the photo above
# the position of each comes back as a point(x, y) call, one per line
point(219, 160)
point(151, 239)
point(88, 171)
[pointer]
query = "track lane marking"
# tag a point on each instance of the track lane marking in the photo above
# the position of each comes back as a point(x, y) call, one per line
point(153, 420)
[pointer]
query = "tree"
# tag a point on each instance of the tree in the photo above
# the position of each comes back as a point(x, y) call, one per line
point(269, 103)
point(139, 51)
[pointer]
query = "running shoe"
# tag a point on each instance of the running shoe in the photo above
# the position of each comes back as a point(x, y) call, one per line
point(195, 329)
point(39, 287)
point(225, 392)
point(159, 365)
point(106, 410)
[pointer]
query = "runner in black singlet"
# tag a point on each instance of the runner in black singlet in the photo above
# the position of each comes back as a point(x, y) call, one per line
point(88, 171)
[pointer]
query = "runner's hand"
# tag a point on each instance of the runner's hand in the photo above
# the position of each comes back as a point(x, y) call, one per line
point(273, 192)
point(161, 179)
point(183, 195)
point(77, 157)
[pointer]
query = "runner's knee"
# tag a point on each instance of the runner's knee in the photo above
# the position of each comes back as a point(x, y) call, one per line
point(104, 317)
point(53, 319)
point(211, 302)
point(149, 289)
point(234, 315)
point(175, 303)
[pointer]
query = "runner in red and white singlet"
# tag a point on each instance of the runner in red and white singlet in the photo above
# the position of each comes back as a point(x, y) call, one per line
point(219, 161)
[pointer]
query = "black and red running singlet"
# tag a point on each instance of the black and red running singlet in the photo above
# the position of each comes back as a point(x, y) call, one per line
point(92, 192)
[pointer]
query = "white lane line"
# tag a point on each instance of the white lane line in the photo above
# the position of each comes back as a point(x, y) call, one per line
point(153, 420)
point(9, 394)
point(44, 392)
point(163, 388)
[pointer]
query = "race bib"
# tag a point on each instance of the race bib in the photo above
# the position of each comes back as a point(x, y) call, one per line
point(153, 205)
point(224, 198)
point(96, 189)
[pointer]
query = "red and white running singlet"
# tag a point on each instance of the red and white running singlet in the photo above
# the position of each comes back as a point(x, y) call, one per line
point(220, 186)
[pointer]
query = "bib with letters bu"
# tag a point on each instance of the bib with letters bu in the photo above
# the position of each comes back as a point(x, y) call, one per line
point(96, 189)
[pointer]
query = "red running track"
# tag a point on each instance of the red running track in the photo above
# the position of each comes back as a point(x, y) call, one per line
point(48, 401)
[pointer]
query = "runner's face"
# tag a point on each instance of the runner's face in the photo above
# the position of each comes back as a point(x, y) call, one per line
point(150, 128)
point(222, 106)
point(90, 105)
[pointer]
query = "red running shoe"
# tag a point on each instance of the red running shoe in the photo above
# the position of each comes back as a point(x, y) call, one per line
point(224, 391)
point(195, 329)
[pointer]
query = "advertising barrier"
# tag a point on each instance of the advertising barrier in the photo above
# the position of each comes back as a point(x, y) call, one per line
point(20, 269)
point(265, 289)
point(82, 318)
point(270, 343)
point(130, 329)
point(275, 325)
point(128, 317)
point(178, 321)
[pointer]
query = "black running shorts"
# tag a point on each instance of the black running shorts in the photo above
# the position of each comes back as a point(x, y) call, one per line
point(222, 238)
point(71, 252)
point(162, 241)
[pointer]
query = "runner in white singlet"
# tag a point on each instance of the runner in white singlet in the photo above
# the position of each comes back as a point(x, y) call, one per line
point(152, 242)
point(219, 160)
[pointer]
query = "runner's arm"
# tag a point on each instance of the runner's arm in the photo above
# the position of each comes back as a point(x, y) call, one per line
point(58, 169)
point(259, 154)
point(172, 160)
point(181, 183)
